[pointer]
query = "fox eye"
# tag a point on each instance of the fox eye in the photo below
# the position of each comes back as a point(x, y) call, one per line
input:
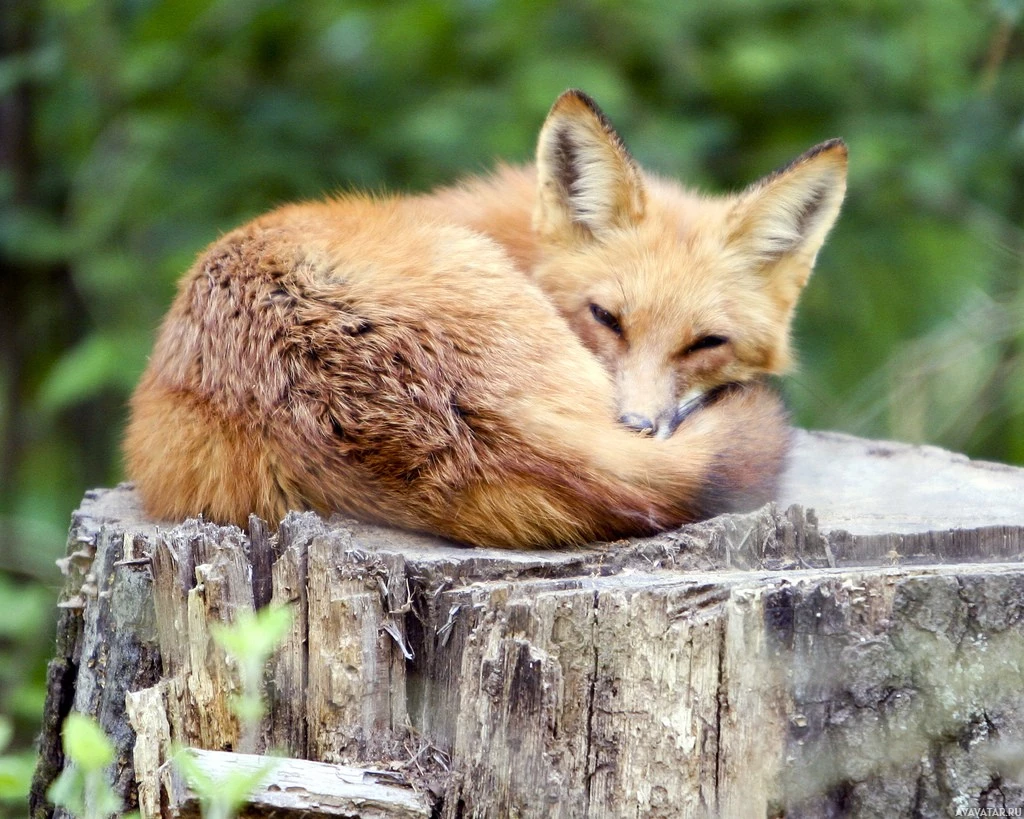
point(706, 343)
point(607, 319)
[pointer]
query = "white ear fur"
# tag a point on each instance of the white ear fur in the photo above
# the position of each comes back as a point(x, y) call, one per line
point(587, 181)
point(788, 214)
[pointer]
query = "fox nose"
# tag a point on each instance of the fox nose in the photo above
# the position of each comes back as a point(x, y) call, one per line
point(638, 422)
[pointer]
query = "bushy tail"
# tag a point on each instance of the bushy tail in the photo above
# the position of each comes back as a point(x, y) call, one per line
point(597, 480)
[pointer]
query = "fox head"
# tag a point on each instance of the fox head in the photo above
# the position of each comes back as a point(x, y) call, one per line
point(676, 293)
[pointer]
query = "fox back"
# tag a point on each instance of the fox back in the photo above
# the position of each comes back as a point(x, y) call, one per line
point(548, 356)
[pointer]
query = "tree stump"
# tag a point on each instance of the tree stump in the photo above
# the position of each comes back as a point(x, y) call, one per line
point(854, 650)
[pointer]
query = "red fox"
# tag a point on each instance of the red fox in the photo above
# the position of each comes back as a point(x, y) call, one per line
point(551, 355)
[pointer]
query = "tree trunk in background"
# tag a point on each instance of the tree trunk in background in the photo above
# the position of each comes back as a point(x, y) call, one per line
point(43, 307)
point(16, 165)
point(854, 650)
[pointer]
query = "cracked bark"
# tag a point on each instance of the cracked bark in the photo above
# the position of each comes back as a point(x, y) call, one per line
point(781, 663)
point(591, 695)
point(720, 702)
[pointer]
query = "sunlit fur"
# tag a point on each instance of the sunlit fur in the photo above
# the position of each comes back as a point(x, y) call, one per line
point(426, 361)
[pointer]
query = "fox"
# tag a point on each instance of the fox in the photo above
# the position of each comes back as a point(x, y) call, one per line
point(564, 352)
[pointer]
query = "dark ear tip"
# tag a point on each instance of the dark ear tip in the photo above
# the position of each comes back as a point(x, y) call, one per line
point(834, 151)
point(837, 147)
point(575, 98)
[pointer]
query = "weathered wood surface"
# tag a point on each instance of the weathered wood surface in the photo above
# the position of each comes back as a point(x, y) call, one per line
point(854, 650)
point(301, 789)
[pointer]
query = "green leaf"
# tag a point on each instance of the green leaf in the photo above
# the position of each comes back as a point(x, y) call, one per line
point(196, 777)
point(236, 789)
point(221, 797)
point(68, 790)
point(85, 743)
point(6, 731)
point(82, 372)
point(102, 800)
point(16, 775)
point(248, 709)
point(252, 638)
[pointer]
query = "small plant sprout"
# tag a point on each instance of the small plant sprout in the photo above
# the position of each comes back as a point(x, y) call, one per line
point(15, 768)
point(249, 642)
point(82, 788)
point(220, 797)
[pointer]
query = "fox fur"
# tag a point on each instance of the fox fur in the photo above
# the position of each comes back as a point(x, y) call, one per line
point(553, 354)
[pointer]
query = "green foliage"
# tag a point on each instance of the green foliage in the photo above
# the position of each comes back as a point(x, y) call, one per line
point(15, 768)
point(82, 788)
point(253, 637)
point(221, 797)
point(85, 744)
point(249, 642)
point(26, 635)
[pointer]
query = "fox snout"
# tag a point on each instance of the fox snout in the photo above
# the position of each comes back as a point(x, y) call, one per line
point(641, 423)
point(654, 397)
point(664, 423)
point(661, 426)
point(647, 396)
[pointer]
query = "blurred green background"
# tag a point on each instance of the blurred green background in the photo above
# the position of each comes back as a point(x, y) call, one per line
point(134, 132)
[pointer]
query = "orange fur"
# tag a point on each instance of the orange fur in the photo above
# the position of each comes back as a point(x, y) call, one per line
point(432, 362)
point(672, 266)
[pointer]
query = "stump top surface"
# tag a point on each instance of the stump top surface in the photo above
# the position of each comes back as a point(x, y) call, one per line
point(870, 500)
point(880, 487)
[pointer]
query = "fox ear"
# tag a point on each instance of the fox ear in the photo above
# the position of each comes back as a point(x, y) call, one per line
point(780, 223)
point(587, 181)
